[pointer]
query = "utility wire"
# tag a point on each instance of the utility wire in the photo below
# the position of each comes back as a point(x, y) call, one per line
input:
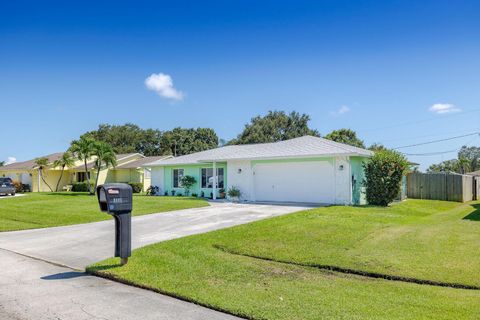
point(436, 141)
point(430, 153)
point(439, 152)
point(406, 123)
point(434, 135)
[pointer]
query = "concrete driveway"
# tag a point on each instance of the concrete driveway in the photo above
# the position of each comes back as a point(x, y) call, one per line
point(81, 245)
point(54, 288)
point(2, 196)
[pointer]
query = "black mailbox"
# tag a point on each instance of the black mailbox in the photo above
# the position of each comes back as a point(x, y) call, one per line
point(116, 199)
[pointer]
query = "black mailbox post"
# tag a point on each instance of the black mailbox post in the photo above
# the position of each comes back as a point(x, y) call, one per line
point(116, 199)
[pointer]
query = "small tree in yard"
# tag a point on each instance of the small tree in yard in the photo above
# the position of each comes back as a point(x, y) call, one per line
point(105, 157)
point(66, 160)
point(42, 164)
point(187, 183)
point(383, 174)
point(83, 150)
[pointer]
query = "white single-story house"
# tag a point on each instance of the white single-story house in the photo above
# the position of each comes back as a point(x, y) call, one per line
point(306, 169)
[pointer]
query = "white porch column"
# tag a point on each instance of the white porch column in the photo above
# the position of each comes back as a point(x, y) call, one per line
point(214, 185)
point(38, 186)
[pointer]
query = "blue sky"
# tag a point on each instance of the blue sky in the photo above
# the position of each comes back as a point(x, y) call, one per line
point(66, 67)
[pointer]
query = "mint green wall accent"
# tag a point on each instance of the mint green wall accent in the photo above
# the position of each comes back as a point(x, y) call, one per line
point(358, 194)
point(358, 190)
point(194, 171)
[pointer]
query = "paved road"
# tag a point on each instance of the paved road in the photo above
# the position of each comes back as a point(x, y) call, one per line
point(35, 289)
point(81, 245)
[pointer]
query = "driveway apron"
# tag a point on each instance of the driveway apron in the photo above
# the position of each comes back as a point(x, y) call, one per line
point(78, 246)
point(57, 287)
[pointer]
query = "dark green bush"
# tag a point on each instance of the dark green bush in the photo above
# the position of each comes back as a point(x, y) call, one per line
point(383, 176)
point(81, 186)
point(187, 183)
point(137, 187)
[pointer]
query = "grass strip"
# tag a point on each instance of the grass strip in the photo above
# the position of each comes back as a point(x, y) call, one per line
point(355, 272)
point(112, 277)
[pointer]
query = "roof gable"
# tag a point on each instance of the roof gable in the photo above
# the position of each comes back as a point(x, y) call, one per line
point(30, 164)
point(306, 146)
point(141, 162)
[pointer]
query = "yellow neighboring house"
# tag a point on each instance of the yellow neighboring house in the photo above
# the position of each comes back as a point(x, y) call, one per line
point(129, 169)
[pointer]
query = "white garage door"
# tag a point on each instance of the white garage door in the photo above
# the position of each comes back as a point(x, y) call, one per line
point(311, 181)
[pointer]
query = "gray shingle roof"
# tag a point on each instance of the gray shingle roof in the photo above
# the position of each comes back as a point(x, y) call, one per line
point(30, 164)
point(140, 162)
point(306, 146)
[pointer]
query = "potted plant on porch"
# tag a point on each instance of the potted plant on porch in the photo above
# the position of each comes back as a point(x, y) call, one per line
point(234, 194)
point(221, 192)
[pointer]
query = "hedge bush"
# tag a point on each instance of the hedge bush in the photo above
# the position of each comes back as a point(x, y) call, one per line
point(137, 187)
point(81, 186)
point(383, 174)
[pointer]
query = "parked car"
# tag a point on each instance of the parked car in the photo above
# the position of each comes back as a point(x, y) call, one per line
point(7, 187)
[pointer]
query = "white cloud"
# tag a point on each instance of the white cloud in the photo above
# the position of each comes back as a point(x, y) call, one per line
point(10, 160)
point(340, 111)
point(441, 108)
point(162, 84)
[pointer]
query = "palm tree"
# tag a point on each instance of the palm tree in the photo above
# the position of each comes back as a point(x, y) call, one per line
point(464, 165)
point(66, 160)
point(83, 150)
point(42, 163)
point(105, 157)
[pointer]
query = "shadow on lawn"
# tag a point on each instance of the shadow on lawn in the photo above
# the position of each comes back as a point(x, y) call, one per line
point(474, 215)
point(68, 194)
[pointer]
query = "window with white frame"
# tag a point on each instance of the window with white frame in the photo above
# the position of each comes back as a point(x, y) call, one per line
point(177, 178)
point(207, 178)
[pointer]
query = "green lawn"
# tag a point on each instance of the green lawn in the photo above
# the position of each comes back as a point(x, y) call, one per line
point(228, 269)
point(41, 210)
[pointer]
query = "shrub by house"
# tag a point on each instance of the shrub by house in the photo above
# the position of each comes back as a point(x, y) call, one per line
point(383, 174)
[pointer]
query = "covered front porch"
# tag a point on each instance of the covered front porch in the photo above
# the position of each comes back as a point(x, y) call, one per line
point(210, 179)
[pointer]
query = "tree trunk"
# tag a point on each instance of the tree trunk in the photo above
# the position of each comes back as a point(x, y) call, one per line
point(59, 179)
point(43, 179)
point(96, 179)
point(86, 176)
